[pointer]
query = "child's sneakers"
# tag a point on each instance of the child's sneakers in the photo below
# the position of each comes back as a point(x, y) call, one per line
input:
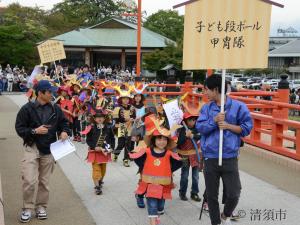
point(98, 190)
point(195, 197)
point(126, 163)
point(114, 157)
point(182, 196)
point(77, 138)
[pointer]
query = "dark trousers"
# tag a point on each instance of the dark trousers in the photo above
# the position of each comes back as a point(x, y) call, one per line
point(231, 180)
point(123, 142)
point(76, 127)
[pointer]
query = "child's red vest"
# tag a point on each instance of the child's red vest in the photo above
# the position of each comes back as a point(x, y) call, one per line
point(157, 170)
point(156, 177)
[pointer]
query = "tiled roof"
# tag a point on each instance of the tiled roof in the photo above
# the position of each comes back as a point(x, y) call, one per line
point(112, 33)
point(291, 49)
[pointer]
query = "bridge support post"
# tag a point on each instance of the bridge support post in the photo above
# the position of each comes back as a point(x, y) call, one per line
point(282, 96)
point(280, 113)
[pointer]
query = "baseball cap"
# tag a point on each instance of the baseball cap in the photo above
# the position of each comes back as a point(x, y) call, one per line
point(45, 85)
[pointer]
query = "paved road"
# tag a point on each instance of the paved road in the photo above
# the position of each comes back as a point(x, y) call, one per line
point(117, 205)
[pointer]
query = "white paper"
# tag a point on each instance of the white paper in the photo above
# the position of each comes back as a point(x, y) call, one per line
point(61, 148)
point(140, 112)
point(174, 113)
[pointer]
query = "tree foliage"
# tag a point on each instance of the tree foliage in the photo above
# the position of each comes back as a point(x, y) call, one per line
point(167, 23)
point(158, 59)
point(89, 12)
point(21, 28)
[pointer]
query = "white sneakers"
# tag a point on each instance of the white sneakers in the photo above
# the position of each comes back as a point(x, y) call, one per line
point(41, 213)
point(25, 216)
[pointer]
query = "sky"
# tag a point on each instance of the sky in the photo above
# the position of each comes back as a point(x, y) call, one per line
point(281, 18)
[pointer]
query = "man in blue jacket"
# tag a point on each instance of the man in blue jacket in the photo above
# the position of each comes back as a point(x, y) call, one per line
point(236, 123)
point(85, 76)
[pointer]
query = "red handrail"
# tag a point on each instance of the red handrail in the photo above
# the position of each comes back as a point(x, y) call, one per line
point(277, 135)
point(266, 102)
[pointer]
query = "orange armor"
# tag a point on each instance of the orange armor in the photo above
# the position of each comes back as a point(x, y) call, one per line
point(156, 177)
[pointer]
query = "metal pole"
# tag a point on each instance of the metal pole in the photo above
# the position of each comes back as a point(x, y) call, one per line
point(57, 75)
point(222, 111)
point(139, 28)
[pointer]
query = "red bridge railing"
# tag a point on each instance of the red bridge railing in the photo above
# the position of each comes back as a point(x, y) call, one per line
point(272, 131)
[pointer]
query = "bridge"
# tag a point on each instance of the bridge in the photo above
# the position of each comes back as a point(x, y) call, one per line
point(269, 169)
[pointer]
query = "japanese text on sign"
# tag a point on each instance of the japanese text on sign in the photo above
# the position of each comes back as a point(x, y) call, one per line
point(227, 28)
point(231, 34)
point(51, 51)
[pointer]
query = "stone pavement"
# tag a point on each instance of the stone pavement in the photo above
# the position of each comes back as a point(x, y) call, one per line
point(117, 204)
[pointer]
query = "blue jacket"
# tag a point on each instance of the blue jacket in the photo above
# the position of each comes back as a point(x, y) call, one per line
point(86, 77)
point(236, 113)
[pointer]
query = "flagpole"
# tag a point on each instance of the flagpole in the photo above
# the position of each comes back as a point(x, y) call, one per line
point(222, 111)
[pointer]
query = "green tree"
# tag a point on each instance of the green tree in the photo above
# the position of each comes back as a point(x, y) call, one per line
point(20, 30)
point(167, 23)
point(89, 12)
point(172, 54)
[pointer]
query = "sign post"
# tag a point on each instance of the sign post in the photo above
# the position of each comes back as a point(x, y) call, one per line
point(227, 34)
point(222, 111)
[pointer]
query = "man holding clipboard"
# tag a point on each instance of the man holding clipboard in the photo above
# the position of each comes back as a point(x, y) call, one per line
point(38, 124)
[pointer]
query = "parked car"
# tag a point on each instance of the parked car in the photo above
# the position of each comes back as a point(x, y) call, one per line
point(274, 85)
point(238, 84)
point(295, 84)
point(255, 86)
